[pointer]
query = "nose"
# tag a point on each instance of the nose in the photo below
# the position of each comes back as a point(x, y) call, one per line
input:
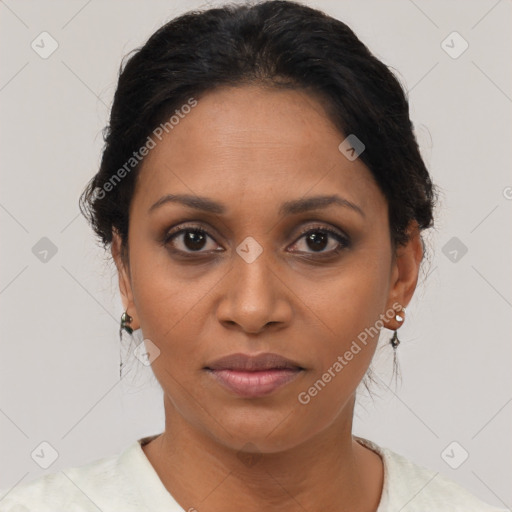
point(254, 297)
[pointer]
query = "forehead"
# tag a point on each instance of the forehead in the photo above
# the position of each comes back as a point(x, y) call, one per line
point(257, 143)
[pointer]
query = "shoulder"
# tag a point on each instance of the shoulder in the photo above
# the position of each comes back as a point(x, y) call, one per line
point(93, 486)
point(413, 488)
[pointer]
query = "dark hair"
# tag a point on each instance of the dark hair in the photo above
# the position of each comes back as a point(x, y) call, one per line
point(277, 43)
point(273, 43)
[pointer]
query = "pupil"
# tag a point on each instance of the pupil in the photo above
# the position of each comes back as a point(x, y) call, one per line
point(318, 241)
point(194, 240)
point(191, 242)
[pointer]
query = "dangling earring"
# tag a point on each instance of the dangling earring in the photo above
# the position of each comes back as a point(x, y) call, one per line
point(399, 317)
point(125, 321)
point(394, 341)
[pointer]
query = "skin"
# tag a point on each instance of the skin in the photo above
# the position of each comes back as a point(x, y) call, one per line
point(253, 148)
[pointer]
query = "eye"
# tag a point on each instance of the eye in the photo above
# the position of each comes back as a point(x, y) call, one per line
point(317, 239)
point(193, 239)
point(189, 239)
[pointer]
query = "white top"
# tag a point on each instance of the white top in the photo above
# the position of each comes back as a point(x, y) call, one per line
point(127, 482)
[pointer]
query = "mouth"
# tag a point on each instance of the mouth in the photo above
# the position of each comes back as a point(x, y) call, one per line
point(253, 376)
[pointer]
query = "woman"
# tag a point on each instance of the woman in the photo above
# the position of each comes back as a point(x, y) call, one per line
point(263, 197)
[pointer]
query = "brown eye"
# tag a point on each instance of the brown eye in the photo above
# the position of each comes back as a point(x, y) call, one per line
point(188, 239)
point(320, 239)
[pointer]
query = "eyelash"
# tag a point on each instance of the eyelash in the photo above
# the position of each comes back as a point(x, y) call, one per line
point(343, 241)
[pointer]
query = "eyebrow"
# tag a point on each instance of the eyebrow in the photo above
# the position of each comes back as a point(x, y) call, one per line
point(288, 208)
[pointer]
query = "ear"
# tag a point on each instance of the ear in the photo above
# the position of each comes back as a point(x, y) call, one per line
point(123, 272)
point(404, 273)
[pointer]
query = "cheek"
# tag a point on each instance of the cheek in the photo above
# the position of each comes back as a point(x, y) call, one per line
point(341, 343)
point(161, 300)
point(347, 309)
point(168, 317)
point(350, 299)
point(172, 307)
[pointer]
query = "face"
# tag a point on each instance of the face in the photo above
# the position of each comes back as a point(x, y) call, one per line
point(265, 273)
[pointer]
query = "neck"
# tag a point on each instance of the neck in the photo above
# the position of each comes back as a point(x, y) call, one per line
point(328, 472)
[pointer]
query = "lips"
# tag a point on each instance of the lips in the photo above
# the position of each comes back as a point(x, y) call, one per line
point(249, 363)
point(253, 376)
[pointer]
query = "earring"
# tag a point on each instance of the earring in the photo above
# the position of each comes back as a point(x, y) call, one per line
point(125, 321)
point(399, 317)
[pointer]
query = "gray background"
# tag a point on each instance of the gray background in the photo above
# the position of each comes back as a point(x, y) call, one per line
point(59, 378)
